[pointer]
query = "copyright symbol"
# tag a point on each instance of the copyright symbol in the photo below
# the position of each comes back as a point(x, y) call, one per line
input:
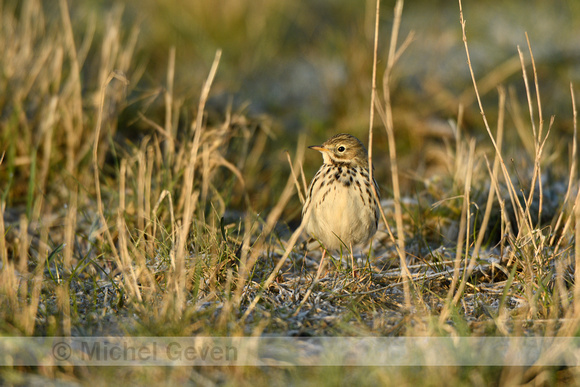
point(61, 351)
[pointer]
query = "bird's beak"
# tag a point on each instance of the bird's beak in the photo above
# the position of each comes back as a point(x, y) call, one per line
point(319, 148)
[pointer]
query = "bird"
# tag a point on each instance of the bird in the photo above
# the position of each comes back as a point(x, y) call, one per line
point(340, 208)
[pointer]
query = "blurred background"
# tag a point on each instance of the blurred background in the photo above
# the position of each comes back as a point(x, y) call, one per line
point(305, 67)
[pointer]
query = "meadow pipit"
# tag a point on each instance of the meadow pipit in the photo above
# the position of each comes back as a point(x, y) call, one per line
point(340, 209)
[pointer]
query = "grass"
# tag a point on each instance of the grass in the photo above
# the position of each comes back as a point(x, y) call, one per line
point(190, 225)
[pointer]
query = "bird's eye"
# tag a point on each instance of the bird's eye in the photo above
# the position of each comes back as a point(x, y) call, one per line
point(341, 149)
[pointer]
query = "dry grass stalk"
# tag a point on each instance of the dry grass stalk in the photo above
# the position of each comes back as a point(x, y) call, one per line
point(385, 114)
point(494, 173)
point(464, 233)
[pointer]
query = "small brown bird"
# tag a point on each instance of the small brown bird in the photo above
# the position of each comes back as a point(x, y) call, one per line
point(340, 208)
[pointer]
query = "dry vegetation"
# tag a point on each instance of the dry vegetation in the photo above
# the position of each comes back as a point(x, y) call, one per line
point(180, 232)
